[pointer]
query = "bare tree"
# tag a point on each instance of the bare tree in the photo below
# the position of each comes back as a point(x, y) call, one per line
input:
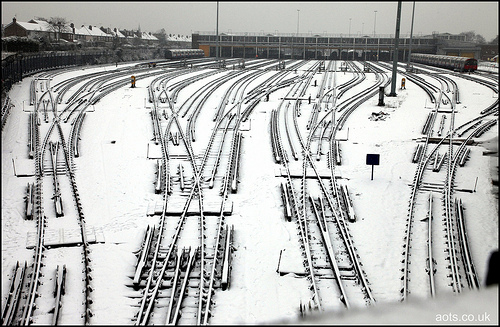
point(58, 25)
point(471, 36)
point(161, 36)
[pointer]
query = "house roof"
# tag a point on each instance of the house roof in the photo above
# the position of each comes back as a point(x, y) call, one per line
point(43, 26)
point(32, 26)
point(47, 27)
point(148, 36)
point(176, 37)
point(117, 33)
point(94, 31)
point(40, 26)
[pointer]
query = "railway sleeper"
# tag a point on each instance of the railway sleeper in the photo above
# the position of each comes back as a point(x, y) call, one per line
point(320, 275)
point(328, 267)
point(165, 290)
point(60, 170)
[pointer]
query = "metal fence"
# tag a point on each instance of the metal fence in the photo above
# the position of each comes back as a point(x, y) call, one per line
point(18, 66)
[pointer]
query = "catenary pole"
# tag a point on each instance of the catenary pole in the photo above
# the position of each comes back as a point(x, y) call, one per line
point(395, 57)
point(349, 37)
point(298, 18)
point(411, 35)
point(217, 36)
point(374, 28)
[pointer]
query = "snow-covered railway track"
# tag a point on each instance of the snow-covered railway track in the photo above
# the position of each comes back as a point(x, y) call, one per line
point(435, 174)
point(52, 153)
point(330, 259)
point(196, 254)
point(54, 145)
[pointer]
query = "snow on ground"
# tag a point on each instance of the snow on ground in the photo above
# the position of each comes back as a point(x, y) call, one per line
point(487, 66)
point(115, 179)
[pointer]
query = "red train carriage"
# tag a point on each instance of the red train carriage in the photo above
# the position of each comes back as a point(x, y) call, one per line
point(184, 53)
point(470, 65)
point(462, 64)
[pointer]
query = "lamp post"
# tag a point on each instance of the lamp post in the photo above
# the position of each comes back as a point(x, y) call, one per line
point(374, 29)
point(297, 35)
point(349, 37)
point(395, 57)
point(362, 35)
point(217, 36)
point(298, 16)
point(366, 45)
point(411, 37)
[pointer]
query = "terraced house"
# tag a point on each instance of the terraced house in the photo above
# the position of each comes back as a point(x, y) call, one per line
point(38, 29)
point(89, 35)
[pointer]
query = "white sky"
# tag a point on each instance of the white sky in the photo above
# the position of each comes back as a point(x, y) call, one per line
point(313, 17)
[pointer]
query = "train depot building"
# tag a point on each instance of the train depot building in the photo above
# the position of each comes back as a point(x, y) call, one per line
point(338, 47)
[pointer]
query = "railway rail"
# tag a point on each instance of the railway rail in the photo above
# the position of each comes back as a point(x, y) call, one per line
point(301, 206)
point(185, 258)
point(208, 257)
point(457, 249)
point(53, 150)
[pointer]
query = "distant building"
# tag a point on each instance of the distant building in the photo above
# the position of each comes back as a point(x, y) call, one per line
point(177, 41)
point(333, 47)
point(85, 35)
point(489, 52)
point(149, 38)
point(114, 32)
point(448, 36)
point(92, 34)
point(39, 29)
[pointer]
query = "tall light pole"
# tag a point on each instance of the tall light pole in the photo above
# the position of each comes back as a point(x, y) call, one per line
point(298, 16)
point(362, 28)
point(349, 37)
point(411, 35)
point(395, 57)
point(374, 29)
point(217, 35)
point(297, 35)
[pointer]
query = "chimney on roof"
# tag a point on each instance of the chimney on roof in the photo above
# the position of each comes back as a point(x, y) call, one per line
point(14, 19)
point(90, 27)
point(72, 27)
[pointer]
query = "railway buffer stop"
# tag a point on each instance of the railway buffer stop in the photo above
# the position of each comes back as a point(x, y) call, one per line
point(372, 159)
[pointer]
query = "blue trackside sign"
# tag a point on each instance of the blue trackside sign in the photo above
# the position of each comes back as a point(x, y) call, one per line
point(372, 159)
